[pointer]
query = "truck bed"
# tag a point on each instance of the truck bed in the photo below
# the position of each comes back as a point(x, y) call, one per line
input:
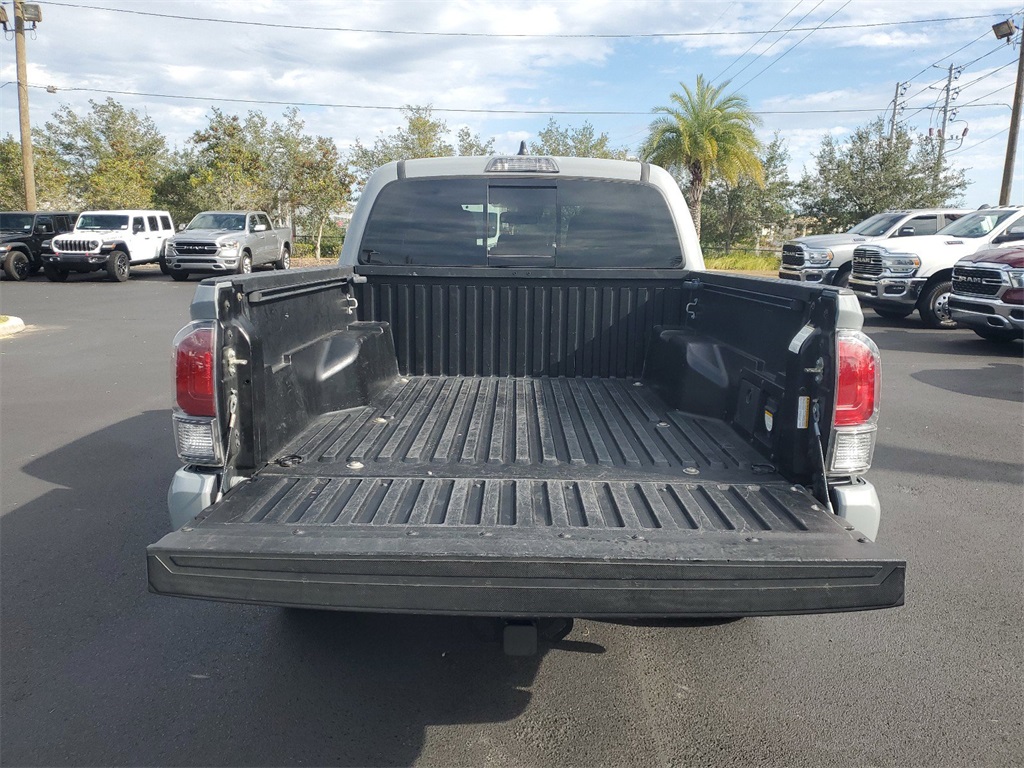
point(545, 496)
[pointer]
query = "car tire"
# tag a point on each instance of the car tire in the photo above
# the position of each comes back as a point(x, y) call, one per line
point(163, 264)
point(16, 265)
point(997, 334)
point(286, 259)
point(244, 264)
point(178, 275)
point(934, 306)
point(119, 266)
point(892, 314)
point(55, 274)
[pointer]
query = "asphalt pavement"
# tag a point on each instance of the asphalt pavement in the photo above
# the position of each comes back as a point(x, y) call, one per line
point(94, 670)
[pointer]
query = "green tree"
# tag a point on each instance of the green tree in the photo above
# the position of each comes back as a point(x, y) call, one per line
point(741, 212)
point(12, 185)
point(51, 179)
point(774, 198)
point(470, 144)
point(111, 157)
point(703, 135)
point(421, 136)
point(323, 188)
point(229, 163)
point(869, 172)
point(575, 142)
point(174, 190)
point(253, 163)
point(729, 214)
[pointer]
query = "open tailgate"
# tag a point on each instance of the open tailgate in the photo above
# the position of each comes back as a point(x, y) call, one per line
point(525, 547)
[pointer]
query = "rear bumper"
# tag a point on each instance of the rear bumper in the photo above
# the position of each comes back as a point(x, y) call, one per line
point(473, 572)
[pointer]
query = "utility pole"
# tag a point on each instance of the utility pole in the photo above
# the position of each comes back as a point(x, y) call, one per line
point(895, 106)
point(1011, 140)
point(942, 131)
point(26, 131)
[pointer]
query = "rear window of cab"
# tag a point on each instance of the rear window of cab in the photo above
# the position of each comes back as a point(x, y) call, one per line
point(573, 223)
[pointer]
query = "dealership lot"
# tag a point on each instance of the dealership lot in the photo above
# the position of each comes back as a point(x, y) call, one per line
point(95, 670)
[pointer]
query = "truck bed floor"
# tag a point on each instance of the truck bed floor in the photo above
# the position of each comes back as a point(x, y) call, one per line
point(544, 452)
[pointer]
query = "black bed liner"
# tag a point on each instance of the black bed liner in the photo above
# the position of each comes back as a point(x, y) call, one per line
point(525, 496)
point(497, 426)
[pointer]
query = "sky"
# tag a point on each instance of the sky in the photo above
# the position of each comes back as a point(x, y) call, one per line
point(807, 67)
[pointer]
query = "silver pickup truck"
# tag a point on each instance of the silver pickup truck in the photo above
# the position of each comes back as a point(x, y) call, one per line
point(221, 242)
point(570, 417)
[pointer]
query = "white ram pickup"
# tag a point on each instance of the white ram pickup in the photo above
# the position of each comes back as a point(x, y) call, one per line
point(896, 279)
point(826, 258)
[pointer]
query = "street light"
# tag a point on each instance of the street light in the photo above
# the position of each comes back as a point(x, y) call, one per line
point(1004, 29)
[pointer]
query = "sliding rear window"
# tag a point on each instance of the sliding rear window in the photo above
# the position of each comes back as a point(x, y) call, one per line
point(581, 223)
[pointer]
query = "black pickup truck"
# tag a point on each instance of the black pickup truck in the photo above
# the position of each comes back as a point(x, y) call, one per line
point(521, 396)
point(25, 236)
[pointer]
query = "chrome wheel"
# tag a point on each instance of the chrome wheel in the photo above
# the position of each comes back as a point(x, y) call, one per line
point(934, 306)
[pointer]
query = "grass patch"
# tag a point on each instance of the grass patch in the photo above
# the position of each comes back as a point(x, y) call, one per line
point(747, 261)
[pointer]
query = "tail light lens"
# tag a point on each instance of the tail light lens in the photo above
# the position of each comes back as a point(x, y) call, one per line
point(858, 380)
point(193, 370)
point(855, 418)
point(196, 428)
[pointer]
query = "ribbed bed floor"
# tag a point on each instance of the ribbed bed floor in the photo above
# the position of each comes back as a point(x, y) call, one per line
point(538, 427)
point(531, 454)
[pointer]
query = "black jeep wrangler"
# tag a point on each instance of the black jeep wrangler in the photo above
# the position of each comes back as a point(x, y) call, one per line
point(25, 236)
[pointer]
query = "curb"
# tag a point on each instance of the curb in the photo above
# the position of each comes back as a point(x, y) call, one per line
point(11, 326)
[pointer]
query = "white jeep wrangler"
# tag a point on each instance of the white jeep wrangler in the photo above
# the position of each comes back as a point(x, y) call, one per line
point(112, 241)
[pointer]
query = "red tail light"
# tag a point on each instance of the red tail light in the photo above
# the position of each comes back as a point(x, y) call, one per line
point(193, 371)
point(857, 387)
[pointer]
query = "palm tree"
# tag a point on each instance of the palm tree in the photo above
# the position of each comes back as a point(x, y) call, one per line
point(704, 134)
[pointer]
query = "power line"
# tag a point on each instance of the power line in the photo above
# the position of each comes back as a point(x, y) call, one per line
point(984, 56)
point(931, 106)
point(422, 33)
point(786, 52)
point(780, 38)
point(927, 87)
point(446, 110)
point(936, 63)
point(987, 74)
point(986, 33)
point(990, 93)
point(961, 87)
point(762, 37)
point(949, 55)
point(978, 144)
